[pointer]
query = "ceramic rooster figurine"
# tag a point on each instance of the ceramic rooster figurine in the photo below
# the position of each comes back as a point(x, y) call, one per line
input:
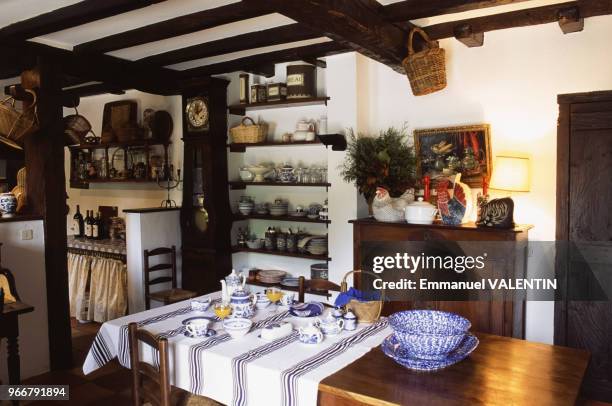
point(455, 205)
point(390, 209)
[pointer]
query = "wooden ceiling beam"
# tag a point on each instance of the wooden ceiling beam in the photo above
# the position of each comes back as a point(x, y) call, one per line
point(355, 24)
point(70, 16)
point(521, 18)
point(101, 68)
point(255, 62)
point(415, 9)
point(185, 24)
point(272, 36)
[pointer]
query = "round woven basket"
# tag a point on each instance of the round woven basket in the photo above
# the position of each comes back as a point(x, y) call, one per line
point(14, 126)
point(249, 133)
point(366, 312)
point(426, 69)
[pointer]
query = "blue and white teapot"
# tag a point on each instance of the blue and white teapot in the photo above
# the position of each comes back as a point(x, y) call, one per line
point(242, 303)
point(310, 334)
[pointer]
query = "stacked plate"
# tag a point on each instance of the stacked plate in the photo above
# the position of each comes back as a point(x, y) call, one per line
point(271, 276)
point(317, 246)
point(428, 340)
point(291, 282)
point(279, 208)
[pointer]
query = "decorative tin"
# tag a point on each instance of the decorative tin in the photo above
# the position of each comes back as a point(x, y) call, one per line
point(277, 91)
point(259, 94)
point(301, 81)
point(244, 88)
point(319, 271)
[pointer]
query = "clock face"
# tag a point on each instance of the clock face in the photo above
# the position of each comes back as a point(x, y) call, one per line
point(197, 113)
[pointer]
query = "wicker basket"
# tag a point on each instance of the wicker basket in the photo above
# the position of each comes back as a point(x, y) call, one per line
point(249, 133)
point(366, 312)
point(14, 126)
point(426, 69)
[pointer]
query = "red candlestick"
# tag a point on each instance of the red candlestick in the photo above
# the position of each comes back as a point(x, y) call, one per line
point(485, 186)
point(426, 183)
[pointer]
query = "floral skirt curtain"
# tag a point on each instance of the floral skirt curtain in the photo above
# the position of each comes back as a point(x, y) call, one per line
point(107, 290)
point(97, 288)
point(78, 276)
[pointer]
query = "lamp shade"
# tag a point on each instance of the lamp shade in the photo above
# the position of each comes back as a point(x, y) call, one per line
point(510, 173)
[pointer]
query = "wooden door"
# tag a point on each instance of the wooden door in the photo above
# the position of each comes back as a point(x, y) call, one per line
point(584, 215)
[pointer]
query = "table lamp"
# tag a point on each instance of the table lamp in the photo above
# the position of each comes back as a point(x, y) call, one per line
point(510, 174)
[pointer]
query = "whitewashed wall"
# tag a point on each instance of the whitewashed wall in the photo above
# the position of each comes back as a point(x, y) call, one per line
point(125, 195)
point(26, 260)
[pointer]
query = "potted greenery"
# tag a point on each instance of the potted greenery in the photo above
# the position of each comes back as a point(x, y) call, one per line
point(386, 161)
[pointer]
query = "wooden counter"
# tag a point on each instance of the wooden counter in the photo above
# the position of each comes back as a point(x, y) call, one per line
point(501, 371)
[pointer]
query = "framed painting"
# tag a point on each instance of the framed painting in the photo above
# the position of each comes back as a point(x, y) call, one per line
point(444, 152)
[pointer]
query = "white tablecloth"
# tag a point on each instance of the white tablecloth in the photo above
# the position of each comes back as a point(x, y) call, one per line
point(245, 371)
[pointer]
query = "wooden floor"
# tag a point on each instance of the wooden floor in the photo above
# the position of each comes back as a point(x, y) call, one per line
point(111, 384)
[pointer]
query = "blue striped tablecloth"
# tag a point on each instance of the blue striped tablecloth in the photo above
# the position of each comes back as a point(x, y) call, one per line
point(246, 371)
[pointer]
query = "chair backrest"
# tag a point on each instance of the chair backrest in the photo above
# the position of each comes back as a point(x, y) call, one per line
point(159, 267)
point(315, 284)
point(142, 371)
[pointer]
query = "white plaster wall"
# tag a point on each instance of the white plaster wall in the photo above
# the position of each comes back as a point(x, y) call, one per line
point(26, 260)
point(125, 195)
point(512, 82)
point(149, 231)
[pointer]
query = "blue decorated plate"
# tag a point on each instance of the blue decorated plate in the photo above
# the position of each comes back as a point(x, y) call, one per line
point(211, 318)
point(391, 347)
point(310, 309)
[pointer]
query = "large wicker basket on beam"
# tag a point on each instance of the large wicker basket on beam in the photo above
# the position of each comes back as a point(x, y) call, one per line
point(366, 312)
point(15, 125)
point(426, 69)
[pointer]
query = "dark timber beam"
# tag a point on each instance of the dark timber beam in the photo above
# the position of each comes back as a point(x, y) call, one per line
point(468, 37)
point(92, 90)
point(570, 20)
point(266, 70)
point(413, 9)
point(356, 24)
point(70, 16)
point(174, 27)
point(254, 62)
point(521, 18)
point(272, 36)
point(102, 68)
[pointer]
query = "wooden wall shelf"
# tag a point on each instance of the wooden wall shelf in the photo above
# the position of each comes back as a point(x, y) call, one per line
point(242, 185)
point(85, 184)
point(324, 293)
point(239, 147)
point(283, 253)
point(137, 143)
point(241, 109)
point(240, 217)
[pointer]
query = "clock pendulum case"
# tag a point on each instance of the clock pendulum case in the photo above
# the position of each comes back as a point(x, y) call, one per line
point(206, 218)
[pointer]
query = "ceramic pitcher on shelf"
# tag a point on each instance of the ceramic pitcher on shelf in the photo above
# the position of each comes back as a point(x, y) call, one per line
point(230, 284)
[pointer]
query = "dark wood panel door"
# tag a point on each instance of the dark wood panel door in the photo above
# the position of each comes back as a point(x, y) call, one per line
point(584, 218)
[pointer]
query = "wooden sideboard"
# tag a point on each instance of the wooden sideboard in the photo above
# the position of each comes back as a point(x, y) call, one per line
point(504, 318)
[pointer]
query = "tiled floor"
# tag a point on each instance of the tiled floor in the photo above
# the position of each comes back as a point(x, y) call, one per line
point(110, 385)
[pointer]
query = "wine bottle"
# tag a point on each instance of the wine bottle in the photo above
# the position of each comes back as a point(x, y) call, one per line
point(89, 225)
point(78, 223)
point(96, 227)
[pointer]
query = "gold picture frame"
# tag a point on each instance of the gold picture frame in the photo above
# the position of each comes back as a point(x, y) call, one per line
point(443, 152)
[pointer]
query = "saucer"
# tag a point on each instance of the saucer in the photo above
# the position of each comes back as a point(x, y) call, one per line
point(391, 347)
point(209, 333)
point(190, 319)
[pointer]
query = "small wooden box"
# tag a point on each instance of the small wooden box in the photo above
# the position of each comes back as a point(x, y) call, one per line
point(277, 91)
point(259, 94)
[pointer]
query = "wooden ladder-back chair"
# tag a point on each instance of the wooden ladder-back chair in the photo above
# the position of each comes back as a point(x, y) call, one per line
point(315, 284)
point(168, 296)
point(152, 385)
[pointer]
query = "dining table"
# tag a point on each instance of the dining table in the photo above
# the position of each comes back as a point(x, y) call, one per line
point(242, 371)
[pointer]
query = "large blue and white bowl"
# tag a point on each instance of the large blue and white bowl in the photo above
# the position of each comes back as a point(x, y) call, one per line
point(429, 334)
point(309, 309)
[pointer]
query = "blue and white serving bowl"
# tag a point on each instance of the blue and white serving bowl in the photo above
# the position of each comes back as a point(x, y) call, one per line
point(309, 309)
point(429, 334)
point(393, 349)
point(237, 327)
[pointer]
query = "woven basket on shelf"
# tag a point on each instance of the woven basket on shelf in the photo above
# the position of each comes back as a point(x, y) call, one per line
point(14, 126)
point(249, 133)
point(366, 312)
point(426, 69)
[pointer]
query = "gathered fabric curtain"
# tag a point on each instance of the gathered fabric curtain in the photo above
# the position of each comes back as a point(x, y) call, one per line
point(107, 290)
point(97, 288)
point(78, 275)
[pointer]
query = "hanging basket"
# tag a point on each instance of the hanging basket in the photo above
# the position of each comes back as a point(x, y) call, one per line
point(366, 312)
point(249, 133)
point(426, 70)
point(15, 125)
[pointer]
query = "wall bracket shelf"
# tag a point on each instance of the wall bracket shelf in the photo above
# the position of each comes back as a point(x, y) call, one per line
point(241, 109)
point(235, 185)
point(282, 253)
point(240, 217)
